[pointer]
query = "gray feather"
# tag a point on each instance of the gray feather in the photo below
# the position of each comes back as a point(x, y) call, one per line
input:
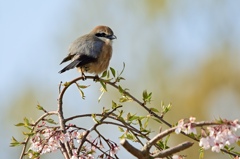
point(70, 66)
point(83, 50)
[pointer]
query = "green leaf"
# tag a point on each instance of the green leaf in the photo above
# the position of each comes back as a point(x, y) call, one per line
point(129, 136)
point(120, 113)
point(66, 84)
point(33, 153)
point(133, 117)
point(39, 107)
point(146, 96)
point(201, 153)
point(166, 141)
point(113, 71)
point(108, 74)
point(154, 110)
point(28, 133)
point(122, 136)
point(51, 121)
point(120, 89)
point(167, 108)
point(121, 118)
point(14, 142)
point(83, 86)
point(104, 74)
point(118, 79)
point(80, 87)
point(121, 129)
point(20, 124)
point(238, 142)
point(104, 86)
point(26, 122)
point(128, 116)
point(157, 120)
point(160, 144)
point(146, 123)
point(82, 94)
point(114, 105)
point(140, 123)
point(122, 70)
point(125, 99)
point(145, 131)
point(95, 119)
point(29, 127)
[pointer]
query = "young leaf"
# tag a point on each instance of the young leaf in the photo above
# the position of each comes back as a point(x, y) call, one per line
point(201, 153)
point(28, 133)
point(120, 89)
point(83, 86)
point(104, 86)
point(146, 96)
point(130, 136)
point(133, 117)
point(20, 124)
point(95, 119)
point(121, 129)
point(154, 110)
point(113, 71)
point(157, 120)
point(146, 123)
point(82, 93)
point(14, 142)
point(80, 87)
point(51, 121)
point(39, 107)
point(104, 74)
point(26, 122)
point(122, 70)
point(66, 84)
point(125, 99)
point(114, 104)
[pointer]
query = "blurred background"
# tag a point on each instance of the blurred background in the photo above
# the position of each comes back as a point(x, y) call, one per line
point(185, 52)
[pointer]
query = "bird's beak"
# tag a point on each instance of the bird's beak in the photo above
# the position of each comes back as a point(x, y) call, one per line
point(112, 37)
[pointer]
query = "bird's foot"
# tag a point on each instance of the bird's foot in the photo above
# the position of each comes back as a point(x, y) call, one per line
point(96, 78)
point(83, 77)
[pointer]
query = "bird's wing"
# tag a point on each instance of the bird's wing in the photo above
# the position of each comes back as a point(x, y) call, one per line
point(86, 49)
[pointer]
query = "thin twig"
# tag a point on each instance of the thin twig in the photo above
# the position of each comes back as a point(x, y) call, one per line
point(94, 127)
point(61, 117)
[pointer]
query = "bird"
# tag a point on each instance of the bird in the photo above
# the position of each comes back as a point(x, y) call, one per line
point(91, 53)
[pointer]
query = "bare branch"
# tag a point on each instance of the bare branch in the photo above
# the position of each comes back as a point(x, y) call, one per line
point(131, 149)
point(173, 150)
point(157, 137)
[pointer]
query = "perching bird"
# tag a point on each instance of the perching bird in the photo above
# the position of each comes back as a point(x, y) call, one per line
point(91, 52)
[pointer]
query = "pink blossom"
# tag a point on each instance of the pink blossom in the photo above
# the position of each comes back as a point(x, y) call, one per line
point(187, 126)
point(114, 150)
point(220, 136)
point(177, 157)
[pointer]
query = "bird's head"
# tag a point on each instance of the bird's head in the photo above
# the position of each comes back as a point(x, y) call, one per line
point(104, 32)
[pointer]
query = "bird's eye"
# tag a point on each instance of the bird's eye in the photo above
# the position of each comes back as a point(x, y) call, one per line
point(100, 35)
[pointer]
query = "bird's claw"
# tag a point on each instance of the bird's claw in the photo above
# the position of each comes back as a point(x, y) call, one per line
point(83, 77)
point(96, 78)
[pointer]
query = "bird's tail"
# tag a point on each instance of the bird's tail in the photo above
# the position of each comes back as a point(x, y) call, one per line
point(70, 66)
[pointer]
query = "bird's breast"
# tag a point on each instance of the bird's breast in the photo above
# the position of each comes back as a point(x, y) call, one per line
point(102, 61)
